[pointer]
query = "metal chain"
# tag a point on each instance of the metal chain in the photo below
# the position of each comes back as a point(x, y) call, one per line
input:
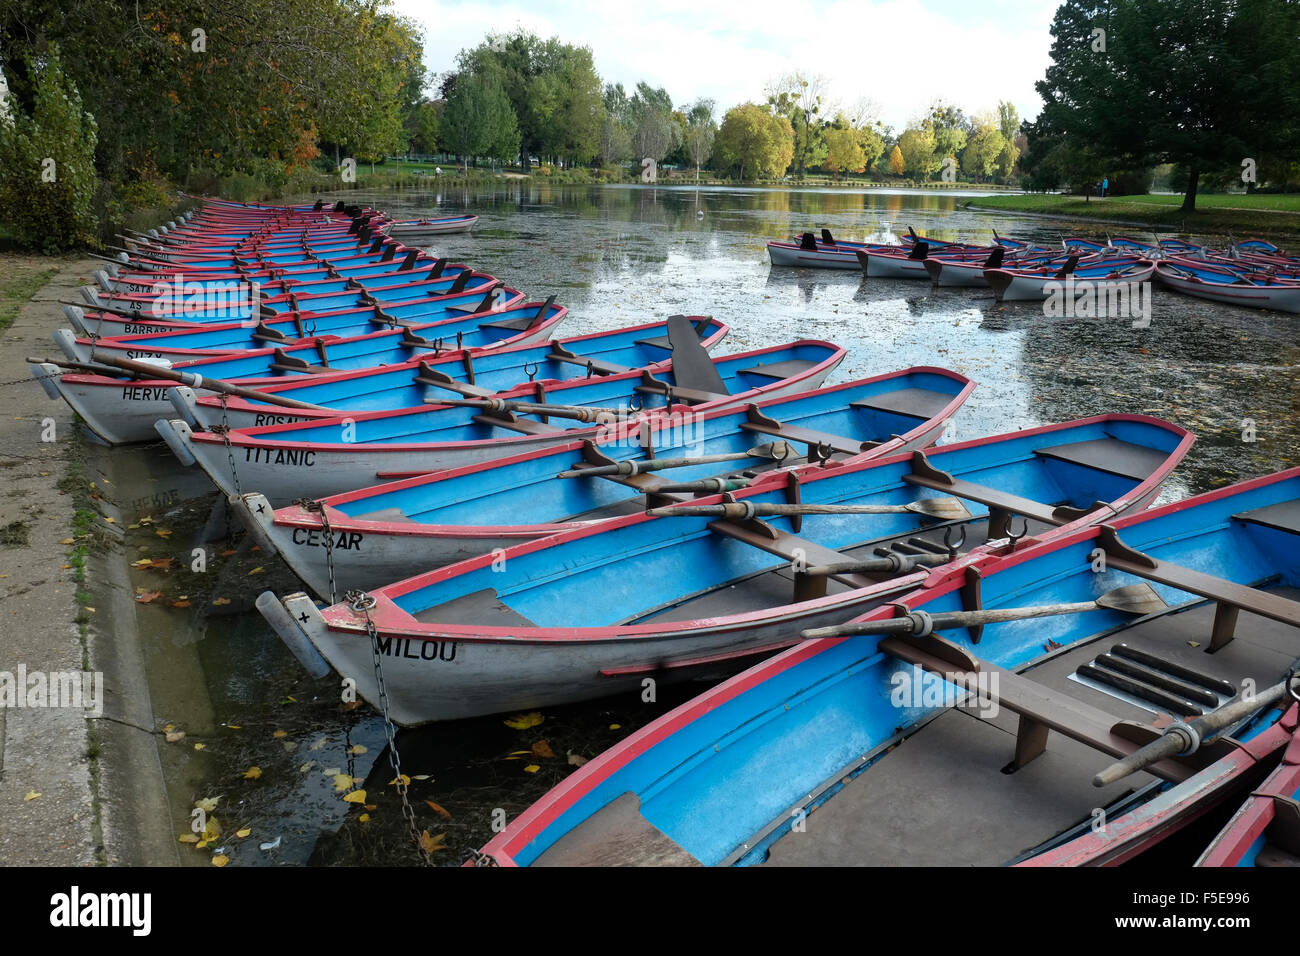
point(309, 505)
point(361, 603)
point(482, 859)
point(224, 432)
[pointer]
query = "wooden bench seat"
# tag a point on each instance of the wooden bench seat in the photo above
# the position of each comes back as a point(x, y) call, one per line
point(922, 403)
point(617, 834)
point(1283, 516)
point(1039, 707)
point(780, 370)
point(1109, 455)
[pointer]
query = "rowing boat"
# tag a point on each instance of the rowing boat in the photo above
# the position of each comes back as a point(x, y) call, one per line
point(123, 410)
point(596, 610)
point(1266, 830)
point(969, 745)
point(1230, 287)
point(427, 228)
point(1158, 810)
point(285, 462)
point(466, 371)
point(211, 340)
point(429, 521)
point(1037, 283)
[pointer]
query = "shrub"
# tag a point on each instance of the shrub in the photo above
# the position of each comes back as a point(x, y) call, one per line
point(47, 165)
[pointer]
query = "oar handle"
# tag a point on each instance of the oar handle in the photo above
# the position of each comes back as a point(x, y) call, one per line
point(922, 623)
point(748, 509)
point(1185, 738)
point(776, 451)
point(580, 413)
point(890, 564)
point(712, 486)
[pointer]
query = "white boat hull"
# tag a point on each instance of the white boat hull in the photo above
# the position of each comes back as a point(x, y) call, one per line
point(1254, 297)
point(452, 679)
point(289, 472)
point(787, 254)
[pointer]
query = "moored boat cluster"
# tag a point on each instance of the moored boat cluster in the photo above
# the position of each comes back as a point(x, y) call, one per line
point(488, 518)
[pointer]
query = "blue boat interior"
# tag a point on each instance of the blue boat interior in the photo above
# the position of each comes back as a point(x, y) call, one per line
point(847, 754)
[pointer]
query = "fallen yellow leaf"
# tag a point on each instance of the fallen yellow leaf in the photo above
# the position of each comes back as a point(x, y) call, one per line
point(406, 781)
point(199, 746)
point(252, 773)
point(441, 811)
point(243, 833)
point(220, 860)
point(432, 844)
point(280, 733)
point(543, 749)
point(175, 736)
point(356, 796)
point(257, 570)
point(207, 804)
point(524, 721)
point(188, 838)
point(358, 749)
point(342, 781)
point(532, 768)
point(221, 602)
point(364, 818)
point(31, 795)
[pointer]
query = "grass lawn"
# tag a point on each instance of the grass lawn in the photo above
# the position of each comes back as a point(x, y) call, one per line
point(1238, 215)
point(21, 277)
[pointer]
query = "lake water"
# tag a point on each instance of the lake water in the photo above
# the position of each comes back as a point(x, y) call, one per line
point(620, 255)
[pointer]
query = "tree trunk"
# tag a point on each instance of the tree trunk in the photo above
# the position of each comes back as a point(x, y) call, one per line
point(1189, 197)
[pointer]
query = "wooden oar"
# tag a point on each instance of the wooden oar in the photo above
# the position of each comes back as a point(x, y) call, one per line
point(946, 509)
point(774, 450)
point(149, 372)
point(144, 315)
point(893, 563)
point(711, 486)
point(582, 413)
point(1136, 599)
point(1186, 738)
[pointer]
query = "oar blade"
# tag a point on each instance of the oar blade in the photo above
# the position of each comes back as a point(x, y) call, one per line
point(943, 509)
point(1135, 599)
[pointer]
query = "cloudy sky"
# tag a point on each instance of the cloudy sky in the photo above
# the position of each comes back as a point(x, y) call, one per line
point(900, 53)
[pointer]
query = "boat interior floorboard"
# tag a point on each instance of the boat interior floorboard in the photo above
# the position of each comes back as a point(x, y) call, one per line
point(478, 607)
point(941, 799)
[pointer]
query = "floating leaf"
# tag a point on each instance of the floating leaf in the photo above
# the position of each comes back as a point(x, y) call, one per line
point(207, 804)
point(200, 746)
point(577, 760)
point(356, 796)
point(31, 795)
point(180, 603)
point(66, 541)
point(543, 749)
point(405, 780)
point(147, 597)
point(441, 811)
point(364, 818)
point(226, 554)
point(257, 570)
point(532, 768)
point(280, 733)
point(220, 860)
point(524, 721)
point(615, 726)
point(358, 749)
point(318, 743)
point(161, 532)
point(252, 773)
point(188, 838)
point(432, 844)
point(342, 781)
point(244, 833)
point(176, 736)
point(221, 602)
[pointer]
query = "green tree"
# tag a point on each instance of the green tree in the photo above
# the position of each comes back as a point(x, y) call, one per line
point(422, 127)
point(701, 131)
point(984, 148)
point(654, 131)
point(918, 152)
point(479, 121)
point(753, 140)
point(1202, 83)
point(47, 170)
point(798, 97)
